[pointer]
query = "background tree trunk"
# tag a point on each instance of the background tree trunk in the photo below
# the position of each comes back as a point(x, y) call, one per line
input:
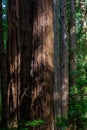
point(63, 59)
point(83, 6)
point(57, 105)
point(72, 60)
point(42, 62)
point(72, 55)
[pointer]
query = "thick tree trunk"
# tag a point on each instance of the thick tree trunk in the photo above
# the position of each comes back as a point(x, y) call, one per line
point(63, 59)
point(3, 73)
point(19, 60)
point(42, 63)
point(25, 39)
point(13, 61)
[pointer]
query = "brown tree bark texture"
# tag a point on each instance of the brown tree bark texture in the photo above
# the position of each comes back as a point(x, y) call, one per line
point(26, 50)
point(42, 65)
point(13, 61)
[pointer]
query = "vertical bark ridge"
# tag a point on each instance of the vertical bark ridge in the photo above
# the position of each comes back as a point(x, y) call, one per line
point(13, 60)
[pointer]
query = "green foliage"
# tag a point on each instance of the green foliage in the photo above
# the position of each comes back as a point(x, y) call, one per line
point(24, 125)
point(34, 123)
point(78, 104)
point(77, 112)
point(61, 122)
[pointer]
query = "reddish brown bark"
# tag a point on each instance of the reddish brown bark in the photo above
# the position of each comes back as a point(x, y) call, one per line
point(25, 39)
point(19, 60)
point(42, 63)
point(13, 59)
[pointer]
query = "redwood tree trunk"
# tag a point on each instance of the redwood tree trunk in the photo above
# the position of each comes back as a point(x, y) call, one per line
point(63, 59)
point(25, 39)
point(13, 61)
point(42, 65)
point(19, 60)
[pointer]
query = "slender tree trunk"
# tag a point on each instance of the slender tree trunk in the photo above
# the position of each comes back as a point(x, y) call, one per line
point(56, 59)
point(83, 10)
point(57, 99)
point(13, 61)
point(72, 53)
point(83, 6)
point(42, 63)
point(63, 59)
point(72, 62)
point(3, 73)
